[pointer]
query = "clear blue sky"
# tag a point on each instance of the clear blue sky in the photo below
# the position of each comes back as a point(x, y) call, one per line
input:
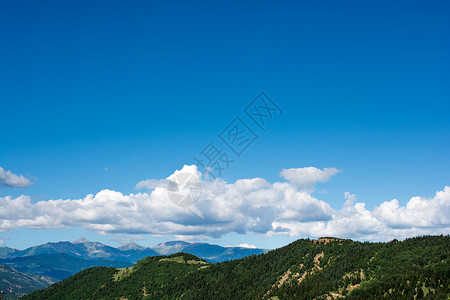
point(140, 87)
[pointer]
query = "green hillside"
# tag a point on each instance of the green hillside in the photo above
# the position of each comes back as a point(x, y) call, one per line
point(327, 268)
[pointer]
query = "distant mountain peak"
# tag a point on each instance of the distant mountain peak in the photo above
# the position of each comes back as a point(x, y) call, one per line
point(173, 243)
point(131, 246)
point(82, 240)
point(171, 247)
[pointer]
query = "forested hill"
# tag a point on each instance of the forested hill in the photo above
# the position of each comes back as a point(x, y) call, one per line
point(327, 268)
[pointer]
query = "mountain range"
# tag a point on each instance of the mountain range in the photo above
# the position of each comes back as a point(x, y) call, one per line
point(326, 268)
point(81, 248)
point(41, 265)
point(132, 252)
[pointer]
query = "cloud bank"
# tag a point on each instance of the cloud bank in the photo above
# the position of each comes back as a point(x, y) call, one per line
point(245, 206)
point(9, 179)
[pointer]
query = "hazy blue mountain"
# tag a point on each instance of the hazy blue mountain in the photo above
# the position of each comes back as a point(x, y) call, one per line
point(21, 283)
point(204, 250)
point(49, 248)
point(5, 251)
point(232, 253)
point(170, 247)
point(96, 250)
point(131, 246)
point(132, 252)
point(57, 266)
point(211, 253)
point(84, 249)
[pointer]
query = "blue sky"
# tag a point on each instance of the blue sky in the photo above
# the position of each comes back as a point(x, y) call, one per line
point(103, 95)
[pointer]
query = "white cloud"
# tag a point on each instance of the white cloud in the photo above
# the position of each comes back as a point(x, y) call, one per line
point(9, 179)
point(246, 246)
point(420, 217)
point(151, 184)
point(247, 205)
point(306, 178)
point(418, 212)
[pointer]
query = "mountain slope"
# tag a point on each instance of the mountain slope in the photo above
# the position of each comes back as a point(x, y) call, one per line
point(57, 266)
point(326, 268)
point(5, 251)
point(21, 283)
point(102, 282)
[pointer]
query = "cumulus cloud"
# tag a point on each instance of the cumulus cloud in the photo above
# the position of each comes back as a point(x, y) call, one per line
point(246, 205)
point(9, 179)
point(306, 178)
point(418, 212)
point(420, 216)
